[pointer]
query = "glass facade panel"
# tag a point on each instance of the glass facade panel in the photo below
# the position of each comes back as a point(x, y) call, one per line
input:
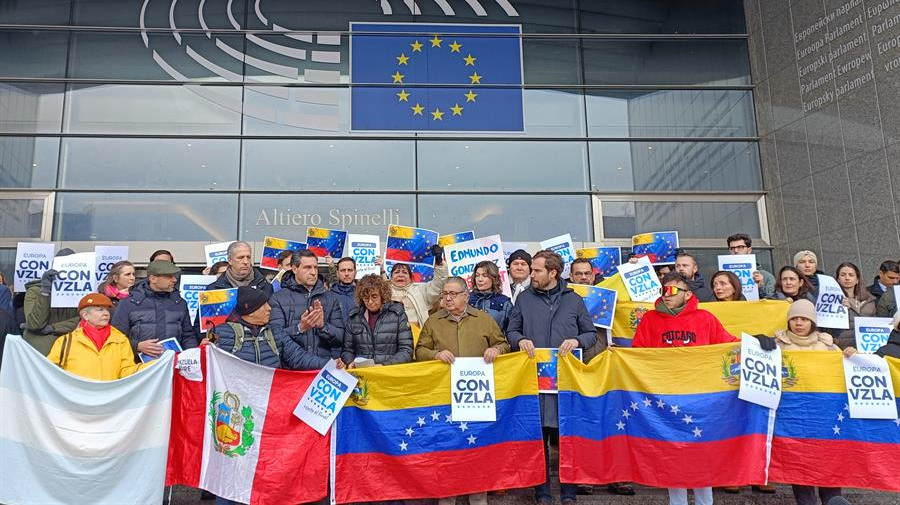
point(33, 53)
point(328, 165)
point(21, 218)
point(691, 219)
point(35, 12)
point(150, 164)
point(550, 61)
point(139, 217)
point(675, 166)
point(28, 162)
point(662, 16)
point(30, 107)
point(134, 14)
point(518, 218)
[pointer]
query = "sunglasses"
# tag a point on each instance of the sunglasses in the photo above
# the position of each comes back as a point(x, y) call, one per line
point(671, 290)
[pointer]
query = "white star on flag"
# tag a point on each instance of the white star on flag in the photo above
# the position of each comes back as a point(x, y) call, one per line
point(837, 430)
point(447, 418)
point(687, 419)
point(897, 422)
point(675, 410)
point(409, 432)
point(626, 413)
point(634, 406)
point(463, 426)
point(621, 425)
point(472, 439)
point(403, 446)
point(435, 416)
point(698, 432)
point(648, 402)
point(840, 417)
point(421, 422)
point(660, 403)
point(847, 407)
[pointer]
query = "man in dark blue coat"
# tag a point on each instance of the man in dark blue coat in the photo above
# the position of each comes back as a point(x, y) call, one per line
point(550, 315)
point(304, 311)
point(343, 284)
point(155, 311)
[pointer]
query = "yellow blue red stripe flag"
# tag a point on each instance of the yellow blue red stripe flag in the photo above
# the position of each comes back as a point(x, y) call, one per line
point(272, 247)
point(324, 242)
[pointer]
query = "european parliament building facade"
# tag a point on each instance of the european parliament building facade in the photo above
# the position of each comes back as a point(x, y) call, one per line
point(175, 123)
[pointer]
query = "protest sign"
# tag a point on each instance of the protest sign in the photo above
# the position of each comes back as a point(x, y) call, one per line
point(660, 247)
point(511, 247)
point(106, 256)
point(547, 364)
point(604, 260)
point(169, 344)
point(188, 364)
point(420, 271)
point(32, 260)
point(743, 266)
point(272, 247)
point(74, 279)
point(456, 238)
point(462, 258)
point(410, 245)
point(640, 280)
point(760, 373)
point(600, 303)
point(364, 249)
point(830, 310)
point(870, 391)
point(563, 246)
point(871, 333)
point(216, 252)
point(324, 242)
point(215, 306)
point(325, 397)
point(472, 396)
point(190, 288)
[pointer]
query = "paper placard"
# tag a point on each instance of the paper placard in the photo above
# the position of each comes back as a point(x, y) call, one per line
point(462, 258)
point(456, 238)
point(272, 247)
point(364, 249)
point(871, 333)
point(169, 344)
point(547, 358)
point(760, 373)
point(599, 302)
point(74, 279)
point(640, 280)
point(660, 247)
point(870, 391)
point(420, 271)
point(472, 396)
point(106, 256)
point(830, 311)
point(188, 364)
point(563, 246)
point(324, 242)
point(215, 306)
point(216, 252)
point(190, 288)
point(511, 247)
point(406, 244)
point(743, 266)
point(604, 260)
point(325, 397)
point(32, 260)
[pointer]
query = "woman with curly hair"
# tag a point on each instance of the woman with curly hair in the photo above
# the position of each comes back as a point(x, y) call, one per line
point(377, 328)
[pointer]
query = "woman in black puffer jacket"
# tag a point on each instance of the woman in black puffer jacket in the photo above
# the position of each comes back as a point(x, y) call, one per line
point(377, 328)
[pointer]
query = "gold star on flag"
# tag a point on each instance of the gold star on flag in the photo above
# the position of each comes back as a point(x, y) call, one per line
point(398, 77)
point(454, 47)
point(476, 79)
point(402, 59)
point(470, 97)
point(436, 42)
point(417, 110)
point(416, 47)
point(457, 110)
point(437, 115)
point(470, 60)
point(403, 95)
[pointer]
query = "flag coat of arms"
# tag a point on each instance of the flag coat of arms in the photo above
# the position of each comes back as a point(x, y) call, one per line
point(396, 440)
point(215, 306)
point(272, 247)
point(324, 242)
point(659, 417)
point(437, 77)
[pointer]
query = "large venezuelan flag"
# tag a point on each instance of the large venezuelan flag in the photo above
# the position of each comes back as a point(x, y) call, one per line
point(816, 443)
point(324, 242)
point(659, 417)
point(396, 441)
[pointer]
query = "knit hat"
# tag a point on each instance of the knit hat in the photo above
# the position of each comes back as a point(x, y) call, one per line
point(249, 299)
point(803, 308)
point(94, 300)
point(519, 254)
point(162, 267)
point(801, 254)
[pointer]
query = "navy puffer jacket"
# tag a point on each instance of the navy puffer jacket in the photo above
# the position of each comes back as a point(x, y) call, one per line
point(148, 314)
point(318, 345)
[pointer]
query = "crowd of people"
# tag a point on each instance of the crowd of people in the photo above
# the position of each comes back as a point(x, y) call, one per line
point(301, 318)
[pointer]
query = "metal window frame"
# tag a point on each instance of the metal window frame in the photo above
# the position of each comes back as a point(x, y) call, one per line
point(46, 218)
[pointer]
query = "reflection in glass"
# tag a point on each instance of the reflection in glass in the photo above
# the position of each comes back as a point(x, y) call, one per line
point(153, 164)
point(33, 53)
point(145, 217)
point(21, 218)
point(28, 162)
point(691, 219)
point(662, 16)
point(30, 108)
point(504, 165)
point(522, 218)
point(550, 61)
point(35, 12)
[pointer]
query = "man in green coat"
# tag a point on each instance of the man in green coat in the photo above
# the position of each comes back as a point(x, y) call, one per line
point(44, 324)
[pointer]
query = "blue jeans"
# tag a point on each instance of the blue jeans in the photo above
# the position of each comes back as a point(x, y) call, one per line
point(568, 492)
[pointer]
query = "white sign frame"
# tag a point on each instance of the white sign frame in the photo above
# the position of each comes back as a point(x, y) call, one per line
point(329, 379)
point(760, 373)
point(62, 264)
point(743, 266)
point(868, 382)
point(643, 266)
point(462, 372)
point(831, 313)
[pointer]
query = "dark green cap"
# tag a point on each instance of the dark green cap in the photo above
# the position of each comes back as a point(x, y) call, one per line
point(161, 267)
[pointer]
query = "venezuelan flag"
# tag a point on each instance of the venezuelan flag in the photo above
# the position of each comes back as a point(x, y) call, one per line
point(816, 443)
point(215, 306)
point(600, 303)
point(420, 272)
point(604, 260)
point(396, 440)
point(658, 246)
point(324, 242)
point(272, 247)
point(456, 238)
point(659, 417)
point(411, 245)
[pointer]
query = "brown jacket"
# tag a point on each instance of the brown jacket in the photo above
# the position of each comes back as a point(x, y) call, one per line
point(468, 338)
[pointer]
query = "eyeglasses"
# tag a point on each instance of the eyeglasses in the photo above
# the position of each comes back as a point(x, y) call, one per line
point(738, 247)
point(451, 294)
point(671, 290)
point(371, 296)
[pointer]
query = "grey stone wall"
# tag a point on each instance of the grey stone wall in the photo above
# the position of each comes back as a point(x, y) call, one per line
point(827, 98)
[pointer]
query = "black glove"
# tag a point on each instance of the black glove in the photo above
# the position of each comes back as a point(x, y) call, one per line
point(47, 330)
point(767, 343)
point(47, 281)
point(438, 253)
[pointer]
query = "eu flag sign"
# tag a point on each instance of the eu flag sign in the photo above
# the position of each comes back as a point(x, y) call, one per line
point(435, 77)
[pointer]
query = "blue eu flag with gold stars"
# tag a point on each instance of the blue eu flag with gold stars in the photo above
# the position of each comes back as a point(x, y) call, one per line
point(435, 77)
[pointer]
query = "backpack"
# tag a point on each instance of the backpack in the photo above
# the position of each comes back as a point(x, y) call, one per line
point(239, 335)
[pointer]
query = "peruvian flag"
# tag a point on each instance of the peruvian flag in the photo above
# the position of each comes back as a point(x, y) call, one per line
point(235, 435)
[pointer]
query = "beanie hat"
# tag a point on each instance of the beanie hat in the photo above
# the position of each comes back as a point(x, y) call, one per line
point(94, 300)
point(249, 300)
point(801, 254)
point(805, 309)
point(519, 254)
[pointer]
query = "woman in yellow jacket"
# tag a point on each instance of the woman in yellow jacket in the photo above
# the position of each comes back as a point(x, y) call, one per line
point(95, 350)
